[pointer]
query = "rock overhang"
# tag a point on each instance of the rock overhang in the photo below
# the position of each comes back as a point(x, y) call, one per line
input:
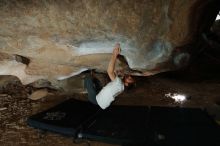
point(63, 39)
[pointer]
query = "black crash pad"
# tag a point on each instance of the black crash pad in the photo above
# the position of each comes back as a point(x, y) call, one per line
point(129, 125)
point(119, 125)
point(65, 118)
point(182, 127)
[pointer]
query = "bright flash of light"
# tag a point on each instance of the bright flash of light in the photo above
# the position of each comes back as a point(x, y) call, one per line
point(218, 17)
point(180, 98)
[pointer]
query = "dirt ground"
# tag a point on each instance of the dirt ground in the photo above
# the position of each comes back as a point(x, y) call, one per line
point(202, 90)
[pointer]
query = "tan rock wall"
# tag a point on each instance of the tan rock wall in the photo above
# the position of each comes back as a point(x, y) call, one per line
point(63, 38)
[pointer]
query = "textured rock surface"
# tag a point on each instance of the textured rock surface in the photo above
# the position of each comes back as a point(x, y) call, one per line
point(63, 38)
point(38, 94)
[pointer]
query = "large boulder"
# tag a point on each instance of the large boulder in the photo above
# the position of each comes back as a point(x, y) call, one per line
point(59, 39)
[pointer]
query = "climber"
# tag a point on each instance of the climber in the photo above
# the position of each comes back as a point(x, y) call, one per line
point(104, 96)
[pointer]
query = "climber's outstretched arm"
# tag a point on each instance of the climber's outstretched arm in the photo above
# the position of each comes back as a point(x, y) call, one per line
point(111, 66)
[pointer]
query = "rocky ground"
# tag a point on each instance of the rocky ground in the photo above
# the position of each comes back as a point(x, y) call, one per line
point(15, 107)
point(202, 90)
